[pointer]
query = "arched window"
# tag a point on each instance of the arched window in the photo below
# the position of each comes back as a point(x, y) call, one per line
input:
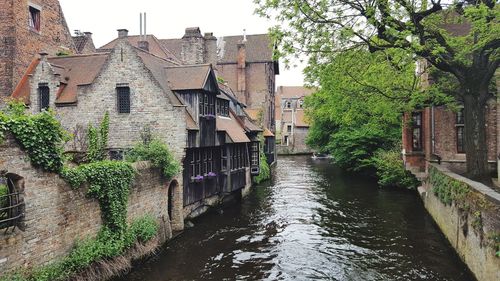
point(11, 202)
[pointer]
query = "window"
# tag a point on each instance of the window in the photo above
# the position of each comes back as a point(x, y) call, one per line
point(116, 154)
point(34, 19)
point(11, 204)
point(223, 107)
point(289, 128)
point(417, 131)
point(43, 96)
point(224, 159)
point(285, 140)
point(460, 125)
point(123, 99)
point(254, 152)
point(288, 104)
point(301, 103)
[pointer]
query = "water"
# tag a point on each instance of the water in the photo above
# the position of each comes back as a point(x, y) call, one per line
point(314, 222)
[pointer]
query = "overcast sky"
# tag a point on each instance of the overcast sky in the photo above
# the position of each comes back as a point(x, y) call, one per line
point(168, 19)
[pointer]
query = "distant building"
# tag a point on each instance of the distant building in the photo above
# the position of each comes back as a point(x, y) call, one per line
point(291, 125)
point(26, 29)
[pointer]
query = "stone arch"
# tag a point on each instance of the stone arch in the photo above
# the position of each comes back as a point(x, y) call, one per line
point(174, 205)
point(12, 201)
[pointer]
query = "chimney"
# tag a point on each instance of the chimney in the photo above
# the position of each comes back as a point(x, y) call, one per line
point(241, 73)
point(193, 46)
point(88, 34)
point(43, 55)
point(144, 45)
point(210, 49)
point(122, 33)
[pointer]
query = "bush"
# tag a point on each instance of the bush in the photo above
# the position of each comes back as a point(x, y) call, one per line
point(390, 169)
point(265, 170)
point(158, 153)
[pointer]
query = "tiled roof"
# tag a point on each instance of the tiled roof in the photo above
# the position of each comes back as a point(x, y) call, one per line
point(232, 127)
point(155, 47)
point(80, 42)
point(293, 91)
point(253, 113)
point(187, 77)
point(268, 133)
point(173, 45)
point(75, 71)
point(259, 48)
point(190, 123)
point(22, 90)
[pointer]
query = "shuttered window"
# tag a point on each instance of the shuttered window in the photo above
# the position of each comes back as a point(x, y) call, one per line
point(123, 99)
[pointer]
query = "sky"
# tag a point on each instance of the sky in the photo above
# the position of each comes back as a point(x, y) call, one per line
point(168, 19)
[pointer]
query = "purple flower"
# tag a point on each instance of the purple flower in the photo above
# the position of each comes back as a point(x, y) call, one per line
point(211, 174)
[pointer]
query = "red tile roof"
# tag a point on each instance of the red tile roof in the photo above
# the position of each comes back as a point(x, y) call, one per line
point(232, 127)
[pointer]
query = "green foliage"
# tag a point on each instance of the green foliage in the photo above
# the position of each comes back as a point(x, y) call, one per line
point(85, 252)
point(265, 170)
point(98, 140)
point(109, 182)
point(4, 190)
point(390, 169)
point(158, 153)
point(40, 135)
point(495, 240)
point(448, 189)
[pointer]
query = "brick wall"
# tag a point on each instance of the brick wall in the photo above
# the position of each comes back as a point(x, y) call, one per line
point(19, 45)
point(56, 215)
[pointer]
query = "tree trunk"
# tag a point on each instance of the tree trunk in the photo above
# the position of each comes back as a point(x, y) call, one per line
point(476, 147)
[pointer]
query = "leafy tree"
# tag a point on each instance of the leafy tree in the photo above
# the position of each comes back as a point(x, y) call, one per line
point(462, 39)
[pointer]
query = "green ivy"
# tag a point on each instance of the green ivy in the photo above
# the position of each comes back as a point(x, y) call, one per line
point(265, 170)
point(98, 140)
point(109, 182)
point(85, 252)
point(446, 188)
point(158, 153)
point(40, 135)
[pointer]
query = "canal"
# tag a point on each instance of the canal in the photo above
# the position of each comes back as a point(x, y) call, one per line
point(314, 222)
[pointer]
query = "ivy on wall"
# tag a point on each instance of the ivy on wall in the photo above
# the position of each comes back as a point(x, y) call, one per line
point(448, 189)
point(40, 135)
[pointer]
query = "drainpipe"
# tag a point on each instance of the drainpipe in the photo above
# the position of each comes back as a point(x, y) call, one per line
point(433, 140)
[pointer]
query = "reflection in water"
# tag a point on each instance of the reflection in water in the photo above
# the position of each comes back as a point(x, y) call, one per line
point(314, 222)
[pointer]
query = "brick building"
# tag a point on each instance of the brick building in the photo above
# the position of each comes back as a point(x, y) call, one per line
point(27, 28)
point(437, 134)
point(182, 104)
point(291, 126)
point(245, 63)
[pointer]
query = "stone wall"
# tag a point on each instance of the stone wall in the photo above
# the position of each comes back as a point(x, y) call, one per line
point(56, 215)
point(470, 230)
point(19, 45)
point(297, 142)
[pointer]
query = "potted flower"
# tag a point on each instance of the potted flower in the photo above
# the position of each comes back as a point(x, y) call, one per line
point(198, 178)
point(211, 175)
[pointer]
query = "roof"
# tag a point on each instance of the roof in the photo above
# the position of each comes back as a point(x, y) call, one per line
point(84, 43)
point(76, 71)
point(187, 77)
point(268, 133)
point(250, 126)
point(190, 123)
point(173, 45)
point(253, 113)
point(259, 48)
point(293, 91)
point(22, 90)
point(232, 128)
point(155, 47)
point(300, 118)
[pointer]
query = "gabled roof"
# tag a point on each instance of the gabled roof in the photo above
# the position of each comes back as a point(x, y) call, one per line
point(173, 45)
point(155, 47)
point(84, 43)
point(268, 133)
point(232, 128)
point(293, 91)
point(259, 48)
point(190, 77)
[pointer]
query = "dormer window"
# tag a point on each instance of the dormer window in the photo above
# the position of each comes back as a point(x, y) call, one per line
point(301, 103)
point(288, 104)
point(43, 96)
point(223, 107)
point(34, 19)
point(123, 99)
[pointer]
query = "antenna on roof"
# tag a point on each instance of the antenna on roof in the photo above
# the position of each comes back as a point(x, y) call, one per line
point(140, 25)
point(244, 35)
point(145, 26)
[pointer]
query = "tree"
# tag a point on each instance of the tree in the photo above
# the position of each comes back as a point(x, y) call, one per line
point(462, 39)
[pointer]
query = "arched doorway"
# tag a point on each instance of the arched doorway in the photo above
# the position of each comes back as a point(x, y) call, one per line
point(11, 201)
point(172, 189)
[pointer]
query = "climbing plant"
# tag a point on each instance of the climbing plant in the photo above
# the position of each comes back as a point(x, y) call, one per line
point(109, 182)
point(98, 140)
point(446, 188)
point(40, 135)
point(158, 153)
point(265, 170)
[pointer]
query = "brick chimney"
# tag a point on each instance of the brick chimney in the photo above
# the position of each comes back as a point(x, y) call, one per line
point(210, 49)
point(193, 46)
point(122, 33)
point(241, 72)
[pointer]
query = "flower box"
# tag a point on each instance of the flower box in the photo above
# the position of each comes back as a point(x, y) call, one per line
point(211, 175)
point(209, 116)
point(198, 178)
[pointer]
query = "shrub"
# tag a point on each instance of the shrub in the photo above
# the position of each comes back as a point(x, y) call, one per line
point(158, 153)
point(265, 170)
point(390, 169)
